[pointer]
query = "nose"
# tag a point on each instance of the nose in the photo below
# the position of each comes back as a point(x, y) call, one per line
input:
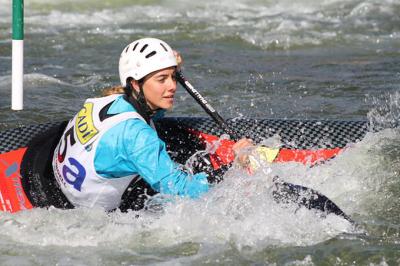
point(172, 84)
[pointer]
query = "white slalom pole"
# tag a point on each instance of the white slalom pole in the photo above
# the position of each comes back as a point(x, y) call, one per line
point(17, 91)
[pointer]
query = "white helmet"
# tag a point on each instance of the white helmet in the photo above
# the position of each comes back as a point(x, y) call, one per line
point(144, 56)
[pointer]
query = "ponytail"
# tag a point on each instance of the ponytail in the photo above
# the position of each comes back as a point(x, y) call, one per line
point(113, 90)
point(118, 89)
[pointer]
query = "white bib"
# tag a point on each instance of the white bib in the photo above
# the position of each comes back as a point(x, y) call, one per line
point(73, 161)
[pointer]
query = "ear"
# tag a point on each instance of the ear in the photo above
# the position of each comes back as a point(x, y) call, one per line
point(135, 85)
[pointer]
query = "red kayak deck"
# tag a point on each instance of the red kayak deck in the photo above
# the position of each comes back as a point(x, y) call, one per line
point(12, 195)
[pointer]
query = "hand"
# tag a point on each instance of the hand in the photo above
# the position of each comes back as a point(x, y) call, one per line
point(179, 59)
point(243, 143)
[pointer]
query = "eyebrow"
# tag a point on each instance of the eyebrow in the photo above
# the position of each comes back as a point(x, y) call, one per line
point(161, 75)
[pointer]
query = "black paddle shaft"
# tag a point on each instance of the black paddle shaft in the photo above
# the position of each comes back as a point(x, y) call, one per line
point(206, 106)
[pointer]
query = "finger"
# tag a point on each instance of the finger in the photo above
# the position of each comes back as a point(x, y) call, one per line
point(243, 143)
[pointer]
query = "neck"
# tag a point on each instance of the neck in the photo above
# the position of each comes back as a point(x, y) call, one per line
point(139, 102)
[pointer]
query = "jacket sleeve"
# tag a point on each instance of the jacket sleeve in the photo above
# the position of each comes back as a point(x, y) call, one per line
point(140, 151)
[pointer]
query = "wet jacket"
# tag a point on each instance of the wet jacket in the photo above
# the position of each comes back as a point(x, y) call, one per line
point(123, 148)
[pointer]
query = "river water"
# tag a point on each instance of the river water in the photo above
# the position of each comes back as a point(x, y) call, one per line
point(307, 59)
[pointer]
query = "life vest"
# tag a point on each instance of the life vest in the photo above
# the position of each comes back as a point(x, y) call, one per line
point(73, 160)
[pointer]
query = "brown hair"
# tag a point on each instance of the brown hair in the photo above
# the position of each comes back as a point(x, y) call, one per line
point(118, 89)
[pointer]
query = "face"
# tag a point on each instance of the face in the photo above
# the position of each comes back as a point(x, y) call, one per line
point(159, 88)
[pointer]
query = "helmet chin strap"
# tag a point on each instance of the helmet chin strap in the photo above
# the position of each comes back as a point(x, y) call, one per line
point(139, 102)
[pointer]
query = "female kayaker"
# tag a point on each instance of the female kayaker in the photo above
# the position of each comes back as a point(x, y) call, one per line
point(110, 155)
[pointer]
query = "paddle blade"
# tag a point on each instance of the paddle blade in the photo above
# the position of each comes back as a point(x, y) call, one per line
point(287, 193)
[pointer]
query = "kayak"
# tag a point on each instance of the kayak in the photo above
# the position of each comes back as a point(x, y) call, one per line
point(27, 181)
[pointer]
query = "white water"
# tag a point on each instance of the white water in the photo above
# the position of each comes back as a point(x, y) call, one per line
point(238, 213)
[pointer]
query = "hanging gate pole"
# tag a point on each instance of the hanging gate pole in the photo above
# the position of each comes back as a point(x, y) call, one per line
point(17, 92)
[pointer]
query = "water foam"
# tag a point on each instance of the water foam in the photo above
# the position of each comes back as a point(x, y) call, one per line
point(240, 211)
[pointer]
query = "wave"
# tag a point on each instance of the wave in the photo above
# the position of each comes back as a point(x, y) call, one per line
point(264, 24)
point(40, 81)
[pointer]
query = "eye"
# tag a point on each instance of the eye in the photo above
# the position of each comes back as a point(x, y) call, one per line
point(161, 79)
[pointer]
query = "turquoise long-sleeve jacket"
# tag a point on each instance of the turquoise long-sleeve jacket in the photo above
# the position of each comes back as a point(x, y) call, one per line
point(133, 147)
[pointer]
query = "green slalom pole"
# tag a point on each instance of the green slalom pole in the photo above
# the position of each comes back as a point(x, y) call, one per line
point(17, 91)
